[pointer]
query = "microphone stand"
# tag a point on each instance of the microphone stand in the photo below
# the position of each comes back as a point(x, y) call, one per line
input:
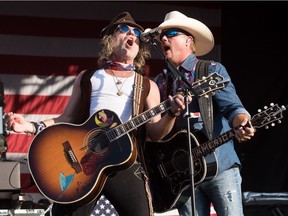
point(176, 73)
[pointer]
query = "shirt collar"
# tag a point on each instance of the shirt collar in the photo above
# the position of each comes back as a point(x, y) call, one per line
point(189, 63)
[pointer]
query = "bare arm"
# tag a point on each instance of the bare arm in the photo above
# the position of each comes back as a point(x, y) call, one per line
point(159, 127)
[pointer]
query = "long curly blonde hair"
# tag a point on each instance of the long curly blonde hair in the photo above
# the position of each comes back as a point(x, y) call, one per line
point(106, 52)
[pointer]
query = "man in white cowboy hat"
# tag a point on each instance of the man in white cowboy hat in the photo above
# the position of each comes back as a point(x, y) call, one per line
point(183, 39)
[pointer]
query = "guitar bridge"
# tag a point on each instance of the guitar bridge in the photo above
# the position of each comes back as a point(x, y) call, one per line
point(71, 157)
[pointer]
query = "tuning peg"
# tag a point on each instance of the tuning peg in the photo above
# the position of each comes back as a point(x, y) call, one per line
point(259, 110)
point(272, 104)
point(266, 127)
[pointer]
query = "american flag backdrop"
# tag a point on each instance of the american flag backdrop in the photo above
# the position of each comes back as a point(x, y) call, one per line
point(44, 45)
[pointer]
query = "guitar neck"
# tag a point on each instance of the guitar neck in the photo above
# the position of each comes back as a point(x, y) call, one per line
point(137, 121)
point(209, 146)
point(268, 116)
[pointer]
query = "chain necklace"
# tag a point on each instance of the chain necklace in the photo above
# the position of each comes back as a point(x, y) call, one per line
point(118, 83)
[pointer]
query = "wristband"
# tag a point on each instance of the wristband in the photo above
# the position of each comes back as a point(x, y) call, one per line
point(173, 115)
point(39, 126)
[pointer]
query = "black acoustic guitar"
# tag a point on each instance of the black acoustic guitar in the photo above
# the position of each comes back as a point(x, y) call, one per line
point(167, 161)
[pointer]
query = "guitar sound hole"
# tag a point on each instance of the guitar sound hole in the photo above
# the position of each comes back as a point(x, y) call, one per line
point(98, 141)
point(180, 160)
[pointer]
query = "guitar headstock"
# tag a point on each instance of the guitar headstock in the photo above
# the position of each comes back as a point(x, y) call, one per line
point(208, 85)
point(268, 116)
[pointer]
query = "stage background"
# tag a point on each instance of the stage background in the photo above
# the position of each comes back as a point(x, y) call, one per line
point(44, 45)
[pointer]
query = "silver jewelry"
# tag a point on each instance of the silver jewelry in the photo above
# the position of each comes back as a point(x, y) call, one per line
point(117, 83)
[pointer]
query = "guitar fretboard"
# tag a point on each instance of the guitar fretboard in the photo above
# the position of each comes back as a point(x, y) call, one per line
point(137, 121)
point(209, 146)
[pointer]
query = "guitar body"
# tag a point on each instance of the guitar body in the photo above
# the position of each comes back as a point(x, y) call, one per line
point(70, 163)
point(167, 163)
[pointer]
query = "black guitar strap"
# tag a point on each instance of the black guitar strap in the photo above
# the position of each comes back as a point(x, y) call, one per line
point(205, 103)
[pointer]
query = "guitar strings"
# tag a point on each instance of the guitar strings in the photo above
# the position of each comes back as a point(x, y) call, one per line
point(95, 140)
point(169, 165)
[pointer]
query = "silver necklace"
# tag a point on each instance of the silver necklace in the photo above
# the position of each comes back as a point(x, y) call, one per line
point(119, 84)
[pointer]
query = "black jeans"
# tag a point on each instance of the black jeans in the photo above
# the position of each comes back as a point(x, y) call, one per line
point(125, 190)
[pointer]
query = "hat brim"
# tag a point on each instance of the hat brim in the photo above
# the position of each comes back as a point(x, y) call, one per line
point(203, 37)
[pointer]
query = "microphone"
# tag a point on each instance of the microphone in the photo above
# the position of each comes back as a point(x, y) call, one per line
point(149, 34)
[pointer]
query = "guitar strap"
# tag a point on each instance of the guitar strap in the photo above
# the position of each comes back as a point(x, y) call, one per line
point(138, 88)
point(205, 103)
point(141, 91)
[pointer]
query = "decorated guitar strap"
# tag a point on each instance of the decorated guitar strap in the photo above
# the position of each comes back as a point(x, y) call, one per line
point(137, 94)
point(205, 103)
point(141, 90)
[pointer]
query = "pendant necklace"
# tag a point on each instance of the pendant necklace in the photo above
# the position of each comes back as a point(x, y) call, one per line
point(118, 82)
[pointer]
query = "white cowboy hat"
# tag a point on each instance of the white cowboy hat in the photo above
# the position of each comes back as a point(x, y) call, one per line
point(203, 37)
